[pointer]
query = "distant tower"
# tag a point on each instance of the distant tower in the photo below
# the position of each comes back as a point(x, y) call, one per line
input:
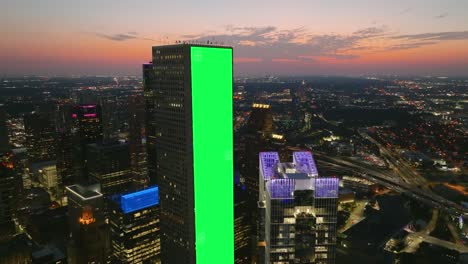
point(259, 130)
point(134, 225)
point(150, 118)
point(298, 209)
point(307, 121)
point(87, 130)
point(189, 88)
point(65, 143)
point(4, 142)
point(8, 194)
point(109, 118)
point(40, 136)
point(108, 164)
point(137, 141)
point(88, 241)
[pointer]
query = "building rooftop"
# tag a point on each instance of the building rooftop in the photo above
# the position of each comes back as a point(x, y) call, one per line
point(326, 187)
point(138, 200)
point(281, 188)
point(268, 161)
point(85, 193)
point(302, 167)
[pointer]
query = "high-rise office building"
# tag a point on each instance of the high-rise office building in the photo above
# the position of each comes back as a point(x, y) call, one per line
point(109, 117)
point(137, 141)
point(4, 142)
point(87, 129)
point(259, 130)
point(65, 149)
point(108, 164)
point(40, 136)
point(149, 94)
point(191, 89)
point(65, 142)
point(88, 241)
point(299, 210)
point(242, 225)
point(7, 196)
point(259, 137)
point(87, 119)
point(134, 227)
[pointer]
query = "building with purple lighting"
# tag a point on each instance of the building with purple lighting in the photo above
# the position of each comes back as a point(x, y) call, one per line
point(87, 126)
point(298, 210)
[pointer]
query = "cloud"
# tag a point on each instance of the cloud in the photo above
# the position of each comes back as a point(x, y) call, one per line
point(372, 32)
point(290, 45)
point(406, 46)
point(122, 36)
point(441, 16)
point(405, 11)
point(454, 35)
point(298, 45)
point(247, 60)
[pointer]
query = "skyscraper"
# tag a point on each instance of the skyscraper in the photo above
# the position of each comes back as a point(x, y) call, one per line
point(109, 118)
point(258, 137)
point(259, 130)
point(88, 123)
point(7, 196)
point(40, 136)
point(149, 93)
point(134, 227)
point(137, 145)
point(65, 140)
point(191, 86)
point(108, 164)
point(4, 142)
point(88, 241)
point(298, 210)
point(87, 130)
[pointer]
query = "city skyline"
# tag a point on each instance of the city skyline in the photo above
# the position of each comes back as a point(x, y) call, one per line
point(301, 38)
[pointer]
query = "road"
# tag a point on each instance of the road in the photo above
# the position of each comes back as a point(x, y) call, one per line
point(389, 180)
point(414, 239)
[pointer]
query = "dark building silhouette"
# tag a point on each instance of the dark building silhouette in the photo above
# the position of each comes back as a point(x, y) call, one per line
point(108, 164)
point(8, 195)
point(109, 117)
point(40, 136)
point(149, 87)
point(136, 141)
point(87, 129)
point(242, 224)
point(259, 137)
point(65, 143)
point(259, 130)
point(4, 142)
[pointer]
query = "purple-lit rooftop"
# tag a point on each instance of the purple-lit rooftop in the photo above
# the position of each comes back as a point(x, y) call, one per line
point(281, 188)
point(267, 164)
point(87, 106)
point(326, 187)
point(305, 163)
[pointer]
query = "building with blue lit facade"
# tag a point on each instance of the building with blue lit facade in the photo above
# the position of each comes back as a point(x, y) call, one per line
point(298, 210)
point(134, 227)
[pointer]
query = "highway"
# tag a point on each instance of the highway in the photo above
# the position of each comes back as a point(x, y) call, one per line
point(390, 180)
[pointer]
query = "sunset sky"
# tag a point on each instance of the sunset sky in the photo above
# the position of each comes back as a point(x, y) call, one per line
point(101, 37)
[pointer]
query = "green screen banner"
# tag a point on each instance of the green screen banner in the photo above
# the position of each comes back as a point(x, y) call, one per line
point(213, 154)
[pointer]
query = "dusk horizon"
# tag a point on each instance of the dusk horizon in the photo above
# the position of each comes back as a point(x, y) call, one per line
point(300, 38)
